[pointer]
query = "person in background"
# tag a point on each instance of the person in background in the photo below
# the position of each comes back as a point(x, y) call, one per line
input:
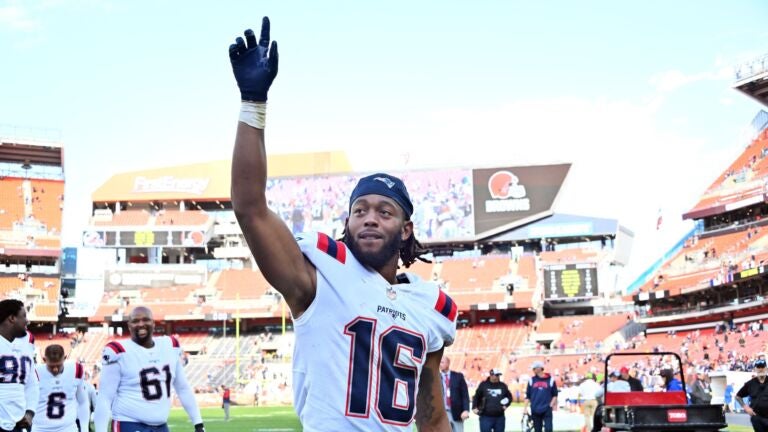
point(634, 383)
point(616, 384)
point(756, 389)
point(541, 397)
point(671, 383)
point(491, 400)
point(456, 395)
point(588, 390)
point(701, 392)
point(225, 401)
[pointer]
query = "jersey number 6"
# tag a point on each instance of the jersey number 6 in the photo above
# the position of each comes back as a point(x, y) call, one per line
point(395, 380)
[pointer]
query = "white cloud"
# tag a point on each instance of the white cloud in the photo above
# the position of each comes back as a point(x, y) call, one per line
point(674, 79)
point(14, 17)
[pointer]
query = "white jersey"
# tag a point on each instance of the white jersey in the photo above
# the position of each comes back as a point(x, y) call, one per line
point(361, 344)
point(18, 381)
point(146, 375)
point(62, 399)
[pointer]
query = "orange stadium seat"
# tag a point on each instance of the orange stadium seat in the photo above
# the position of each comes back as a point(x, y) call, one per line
point(466, 299)
point(11, 202)
point(568, 256)
point(10, 284)
point(183, 218)
point(126, 218)
point(177, 293)
point(47, 202)
point(247, 284)
point(421, 269)
point(742, 179)
point(587, 328)
point(474, 273)
point(43, 310)
point(526, 268)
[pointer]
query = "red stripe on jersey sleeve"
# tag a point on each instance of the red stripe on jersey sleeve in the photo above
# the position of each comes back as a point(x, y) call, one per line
point(322, 242)
point(78, 371)
point(446, 306)
point(440, 301)
point(341, 253)
point(175, 342)
point(31, 337)
point(454, 311)
point(116, 347)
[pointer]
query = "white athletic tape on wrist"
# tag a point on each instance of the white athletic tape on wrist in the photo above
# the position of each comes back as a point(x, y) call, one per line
point(254, 114)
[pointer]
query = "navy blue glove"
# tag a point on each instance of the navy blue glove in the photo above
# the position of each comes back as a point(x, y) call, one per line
point(254, 69)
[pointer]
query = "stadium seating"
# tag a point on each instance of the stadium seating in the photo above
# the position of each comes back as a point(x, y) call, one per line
point(472, 274)
point(241, 284)
point(526, 268)
point(587, 329)
point(10, 285)
point(176, 293)
point(568, 256)
point(126, 218)
point(182, 218)
point(11, 202)
point(48, 202)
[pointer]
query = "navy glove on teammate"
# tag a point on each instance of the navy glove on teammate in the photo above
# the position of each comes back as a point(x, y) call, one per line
point(254, 64)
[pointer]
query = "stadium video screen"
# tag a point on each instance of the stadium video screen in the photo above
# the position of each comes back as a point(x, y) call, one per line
point(569, 281)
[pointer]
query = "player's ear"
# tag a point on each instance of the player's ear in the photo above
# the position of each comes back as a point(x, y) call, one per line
point(407, 230)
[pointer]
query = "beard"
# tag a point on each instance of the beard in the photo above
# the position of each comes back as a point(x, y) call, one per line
point(21, 332)
point(374, 260)
point(142, 340)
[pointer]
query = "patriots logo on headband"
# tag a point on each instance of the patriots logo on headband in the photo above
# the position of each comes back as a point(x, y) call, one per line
point(386, 181)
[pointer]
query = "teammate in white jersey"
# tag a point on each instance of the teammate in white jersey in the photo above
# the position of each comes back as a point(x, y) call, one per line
point(136, 380)
point(90, 390)
point(368, 341)
point(63, 402)
point(18, 381)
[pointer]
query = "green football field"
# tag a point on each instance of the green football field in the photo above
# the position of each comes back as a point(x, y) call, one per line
point(274, 419)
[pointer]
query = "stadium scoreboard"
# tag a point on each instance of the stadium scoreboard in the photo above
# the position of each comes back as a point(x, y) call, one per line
point(570, 281)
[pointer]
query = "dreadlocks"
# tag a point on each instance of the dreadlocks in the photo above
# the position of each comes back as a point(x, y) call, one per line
point(411, 250)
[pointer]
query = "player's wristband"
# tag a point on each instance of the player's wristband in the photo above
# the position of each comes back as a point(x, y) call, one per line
point(254, 114)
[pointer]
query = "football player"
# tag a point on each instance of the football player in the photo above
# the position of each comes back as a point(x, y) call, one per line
point(142, 371)
point(349, 306)
point(18, 381)
point(63, 402)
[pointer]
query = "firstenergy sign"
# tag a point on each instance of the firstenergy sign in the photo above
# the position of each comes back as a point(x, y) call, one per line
point(508, 195)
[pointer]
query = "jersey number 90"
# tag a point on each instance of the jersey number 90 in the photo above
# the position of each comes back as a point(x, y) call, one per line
point(14, 369)
point(395, 380)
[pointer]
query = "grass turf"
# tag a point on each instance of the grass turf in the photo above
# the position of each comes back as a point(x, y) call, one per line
point(270, 419)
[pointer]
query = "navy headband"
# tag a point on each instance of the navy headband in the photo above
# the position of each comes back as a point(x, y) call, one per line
point(385, 185)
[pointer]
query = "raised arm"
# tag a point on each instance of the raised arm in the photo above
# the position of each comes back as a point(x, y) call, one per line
point(271, 243)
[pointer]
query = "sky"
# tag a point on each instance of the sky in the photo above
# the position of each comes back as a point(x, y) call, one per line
point(636, 95)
